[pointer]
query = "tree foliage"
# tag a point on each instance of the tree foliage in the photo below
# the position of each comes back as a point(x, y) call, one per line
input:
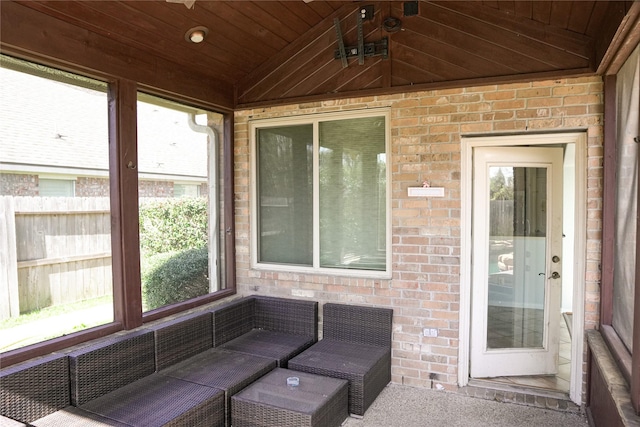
point(501, 187)
point(176, 276)
point(173, 224)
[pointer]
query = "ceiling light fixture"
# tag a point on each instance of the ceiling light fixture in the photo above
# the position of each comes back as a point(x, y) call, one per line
point(188, 3)
point(196, 34)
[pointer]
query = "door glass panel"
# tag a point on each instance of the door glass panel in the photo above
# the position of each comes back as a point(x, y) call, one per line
point(517, 246)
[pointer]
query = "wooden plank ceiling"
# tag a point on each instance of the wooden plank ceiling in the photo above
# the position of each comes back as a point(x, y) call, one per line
point(283, 51)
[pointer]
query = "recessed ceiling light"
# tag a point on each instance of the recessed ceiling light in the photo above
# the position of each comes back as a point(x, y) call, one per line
point(196, 34)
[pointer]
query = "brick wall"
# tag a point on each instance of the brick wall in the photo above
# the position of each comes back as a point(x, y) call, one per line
point(155, 188)
point(92, 187)
point(13, 184)
point(426, 129)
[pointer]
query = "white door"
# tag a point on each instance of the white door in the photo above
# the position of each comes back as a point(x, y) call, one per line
point(517, 249)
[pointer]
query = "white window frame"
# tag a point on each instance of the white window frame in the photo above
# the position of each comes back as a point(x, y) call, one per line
point(314, 120)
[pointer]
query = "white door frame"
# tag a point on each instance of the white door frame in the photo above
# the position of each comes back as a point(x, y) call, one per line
point(579, 138)
point(535, 291)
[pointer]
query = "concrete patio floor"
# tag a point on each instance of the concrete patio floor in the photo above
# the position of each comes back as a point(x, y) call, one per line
point(405, 406)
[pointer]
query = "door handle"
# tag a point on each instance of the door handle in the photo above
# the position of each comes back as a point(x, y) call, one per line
point(555, 275)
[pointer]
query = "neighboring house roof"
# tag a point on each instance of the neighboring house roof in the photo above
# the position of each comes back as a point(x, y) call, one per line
point(54, 124)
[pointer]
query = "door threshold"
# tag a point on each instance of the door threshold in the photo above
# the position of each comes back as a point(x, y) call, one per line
point(523, 395)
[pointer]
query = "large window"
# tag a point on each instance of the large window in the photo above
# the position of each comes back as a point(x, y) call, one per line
point(628, 97)
point(620, 318)
point(321, 193)
point(179, 236)
point(72, 150)
point(55, 249)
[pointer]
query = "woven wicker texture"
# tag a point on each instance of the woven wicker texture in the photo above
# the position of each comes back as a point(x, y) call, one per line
point(225, 370)
point(8, 422)
point(266, 326)
point(232, 320)
point(287, 315)
point(356, 346)
point(275, 345)
point(316, 401)
point(357, 324)
point(108, 365)
point(33, 389)
point(75, 417)
point(368, 368)
point(158, 400)
point(182, 338)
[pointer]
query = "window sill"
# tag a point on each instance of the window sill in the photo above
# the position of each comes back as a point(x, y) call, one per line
point(619, 352)
point(365, 274)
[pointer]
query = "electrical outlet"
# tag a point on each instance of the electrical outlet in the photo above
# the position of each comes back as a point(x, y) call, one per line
point(430, 332)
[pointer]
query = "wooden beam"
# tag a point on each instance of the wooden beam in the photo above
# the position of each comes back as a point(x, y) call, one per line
point(29, 34)
point(608, 202)
point(229, 203)
point(125, 241)
point(18, 355)
point(620, 45)
point(408, 88)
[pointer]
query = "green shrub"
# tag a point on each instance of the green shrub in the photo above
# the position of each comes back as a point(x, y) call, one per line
point(176, 276)
point(173, 224)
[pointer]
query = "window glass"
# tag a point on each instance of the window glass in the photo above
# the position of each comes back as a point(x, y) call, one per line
point(346, 210)
point(353, 193)
point(628, 97)
point(285, 180)
point(186, 190)
point(179, 226)
point(56, 187)
point(55, 251)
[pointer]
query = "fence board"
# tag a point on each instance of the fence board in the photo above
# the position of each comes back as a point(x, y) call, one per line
point(9, 295)
point(62, 250)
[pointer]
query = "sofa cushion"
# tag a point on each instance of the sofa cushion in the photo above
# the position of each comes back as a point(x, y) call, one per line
point(36, 388)
point(75, 417)
point(181, 338)
point(291, 316)
point(232, 320)
point(110, 364)
point(8, 422)
point(158, 400)
point(278, 346)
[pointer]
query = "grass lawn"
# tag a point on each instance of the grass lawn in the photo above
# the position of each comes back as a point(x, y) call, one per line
point(56, 321)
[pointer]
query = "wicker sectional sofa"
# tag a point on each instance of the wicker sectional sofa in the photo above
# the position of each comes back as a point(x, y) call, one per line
point(181, 372)
point(137, 378)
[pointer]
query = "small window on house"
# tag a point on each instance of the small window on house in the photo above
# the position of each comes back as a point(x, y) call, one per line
point(186, 190)
point(56, 187)
point(180, 236)
point(321, 193)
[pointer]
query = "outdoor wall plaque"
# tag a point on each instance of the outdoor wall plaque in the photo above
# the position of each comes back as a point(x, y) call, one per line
point(425, 191)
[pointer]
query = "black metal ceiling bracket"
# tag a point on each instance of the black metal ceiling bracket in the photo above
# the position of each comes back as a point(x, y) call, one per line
point(378, 48)
point(362, 50)
point(341, 52)
point(360, 41)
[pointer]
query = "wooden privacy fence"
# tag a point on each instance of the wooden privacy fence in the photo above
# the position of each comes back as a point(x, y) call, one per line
point(57, 250)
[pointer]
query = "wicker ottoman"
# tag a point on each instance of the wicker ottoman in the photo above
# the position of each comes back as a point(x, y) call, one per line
point(315, 401)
